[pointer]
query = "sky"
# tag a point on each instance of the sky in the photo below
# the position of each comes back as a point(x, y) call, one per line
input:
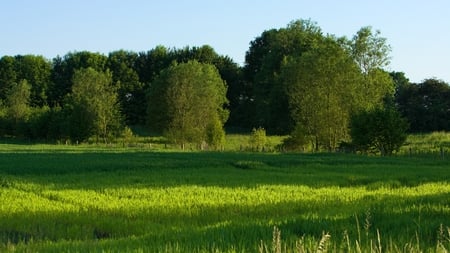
point(418, 31)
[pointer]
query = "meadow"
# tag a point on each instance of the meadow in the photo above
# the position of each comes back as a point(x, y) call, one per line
point(145, 198)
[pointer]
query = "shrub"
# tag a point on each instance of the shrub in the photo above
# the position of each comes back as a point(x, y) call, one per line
point(297, 141)
point(380, 130)
point(258, 138)
point(215, 135)
point(128, 136)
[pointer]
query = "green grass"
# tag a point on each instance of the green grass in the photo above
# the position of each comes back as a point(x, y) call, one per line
point(433, 144)
point(142, 142)
point(100, 199)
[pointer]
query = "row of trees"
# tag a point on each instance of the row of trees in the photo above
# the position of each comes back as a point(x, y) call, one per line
point(88, 94)
point(132, 74)
point(90, 109)
point(296, 80)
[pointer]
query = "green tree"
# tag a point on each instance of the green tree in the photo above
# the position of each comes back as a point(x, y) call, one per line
point(380, 130)
point(94, 105)
point(8, 75)
point(204, 54)
point(371, 52)
point(130, 90)
point(426, 105)
point(400, 80)
point(258, 138)
point(264, 61)
point(39, 123)
point(17, 104)
point(64, 69)
point(186, 100)
point(149, 64)
point(37, 71)
point(322, 86)
point(215, 134)
point(238, 93)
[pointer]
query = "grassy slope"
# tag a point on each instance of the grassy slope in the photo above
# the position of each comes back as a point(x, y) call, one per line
point(62, 199)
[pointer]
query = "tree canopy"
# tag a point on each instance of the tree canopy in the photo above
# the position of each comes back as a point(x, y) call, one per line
point(381, 130)
point(186, 101)
point(94, 105)
point(296, 80)
point(322, 87)
point(263, 64)
point(426, 105)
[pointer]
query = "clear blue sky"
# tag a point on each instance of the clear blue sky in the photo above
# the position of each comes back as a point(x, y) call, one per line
point(417, 30)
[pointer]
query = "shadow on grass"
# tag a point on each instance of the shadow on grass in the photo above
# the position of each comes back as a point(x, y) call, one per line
point(98, 170)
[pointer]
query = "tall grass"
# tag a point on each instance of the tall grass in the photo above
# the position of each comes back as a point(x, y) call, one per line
point(433, 144)
point(375, 244)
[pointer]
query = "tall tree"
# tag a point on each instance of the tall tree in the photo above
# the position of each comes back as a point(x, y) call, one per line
point(8, 75)
point(150, 64)
point(94, 105)
point(262, 69)
point(371, 52)
point(186, 101)
point(130, 89)
point(426, 105)
point(36, 70)
point(64, 69)
point(17, 104)
point(238, 92)
point(322, 90)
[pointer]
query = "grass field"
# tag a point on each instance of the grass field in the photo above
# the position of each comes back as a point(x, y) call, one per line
point(103, 199)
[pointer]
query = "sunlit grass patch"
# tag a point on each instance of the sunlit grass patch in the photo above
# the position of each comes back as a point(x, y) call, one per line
point(144, 201)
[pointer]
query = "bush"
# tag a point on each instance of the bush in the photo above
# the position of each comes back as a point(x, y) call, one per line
point(215, 135)
point(127, 136)
point(38, 124)
point(297, 141)
point(381, 130)
point(258, 139)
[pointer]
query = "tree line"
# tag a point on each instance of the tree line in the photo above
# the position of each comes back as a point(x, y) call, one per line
point(296, 80)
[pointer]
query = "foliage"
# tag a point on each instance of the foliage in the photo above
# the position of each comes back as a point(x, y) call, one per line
point(298, 140)
point(186, 101)
point(371, 53)
point(39, 123)
point(426, 105)
point(64, 69)
point(258, 92)
point(322, 90)
point(258, 138)
point(17, 106)
point(94, 105)
point(264, 60)
point(150, 64)
point(17, 101)
point(215, 134)
point(8, 75)
point(36, 70)
point(241, 142)
point(130, 90)
point(95, 199)
point(369, 50)
point(3, 121)
point(382, 130)
point(128, 136)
